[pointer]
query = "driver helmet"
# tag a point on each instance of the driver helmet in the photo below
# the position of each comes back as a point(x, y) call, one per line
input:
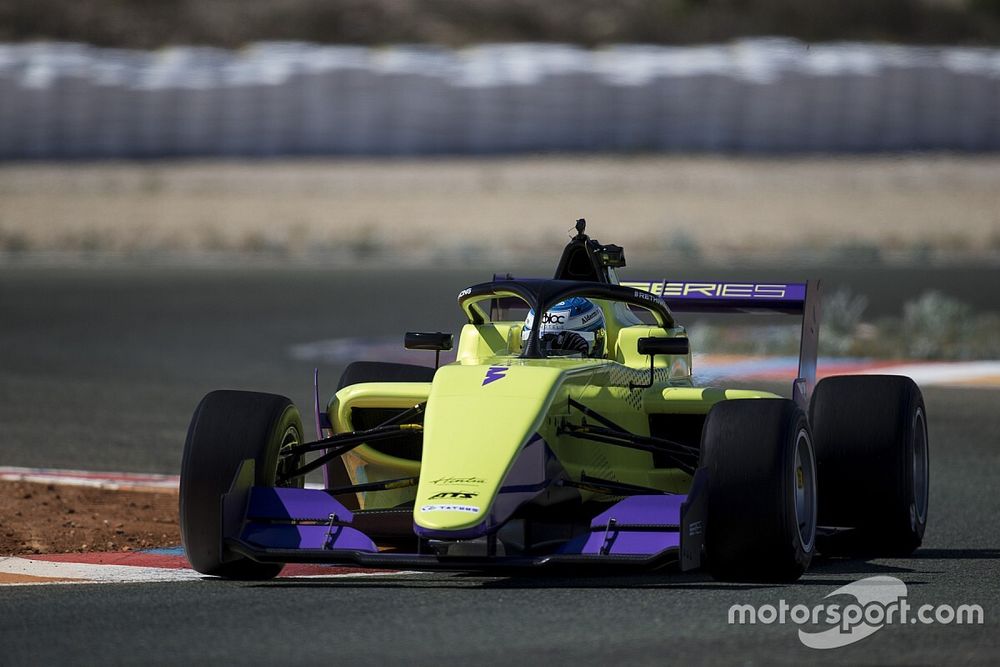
point(573, 326)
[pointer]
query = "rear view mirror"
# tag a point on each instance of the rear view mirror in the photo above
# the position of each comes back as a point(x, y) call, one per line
point(437, 341)
point(653, 346)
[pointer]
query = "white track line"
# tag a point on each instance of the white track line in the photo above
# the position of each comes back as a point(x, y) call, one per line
point(931, 373)
point(87, 573)
point(61, 572)
point(113, 481)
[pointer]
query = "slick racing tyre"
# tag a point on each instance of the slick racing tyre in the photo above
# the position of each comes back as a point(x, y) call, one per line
point(872, 463)
point(761, 506)
point(227, 428)
point(380, 371)
point(360, 372)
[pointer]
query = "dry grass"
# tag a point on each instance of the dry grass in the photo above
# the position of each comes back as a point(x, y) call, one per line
point(428, 209)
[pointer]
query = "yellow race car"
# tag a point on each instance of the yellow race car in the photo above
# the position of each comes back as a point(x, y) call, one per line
point(569, 431)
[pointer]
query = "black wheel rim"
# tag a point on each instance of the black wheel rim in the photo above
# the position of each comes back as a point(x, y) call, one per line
point(804, 485)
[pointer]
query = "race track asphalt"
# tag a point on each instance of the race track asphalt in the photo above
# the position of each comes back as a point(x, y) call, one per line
point(100, 369)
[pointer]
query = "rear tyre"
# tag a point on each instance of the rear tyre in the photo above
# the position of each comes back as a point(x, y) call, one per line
point(227, 428)
point(873, 463)
point(360, 372)
point(761, 506)
point(380, 371)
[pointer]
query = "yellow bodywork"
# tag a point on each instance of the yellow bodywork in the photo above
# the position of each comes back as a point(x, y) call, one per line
point(476, 427)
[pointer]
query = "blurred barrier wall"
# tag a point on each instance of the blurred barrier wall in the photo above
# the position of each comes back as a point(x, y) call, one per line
point(74, 101)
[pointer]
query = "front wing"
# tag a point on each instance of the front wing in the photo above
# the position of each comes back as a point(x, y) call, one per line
point(289, 525)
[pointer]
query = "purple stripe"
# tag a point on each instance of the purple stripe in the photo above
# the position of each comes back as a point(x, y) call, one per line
point(631, 543)
point(638, 525)
point(716, 296)
point(286, 536)
point(690, 290)
point(287, 503)
point(649, 510)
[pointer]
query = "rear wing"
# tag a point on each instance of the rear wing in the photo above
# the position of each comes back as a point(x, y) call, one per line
point(800, 299)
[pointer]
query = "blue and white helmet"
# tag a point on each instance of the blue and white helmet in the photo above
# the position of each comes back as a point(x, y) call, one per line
point(573, 326)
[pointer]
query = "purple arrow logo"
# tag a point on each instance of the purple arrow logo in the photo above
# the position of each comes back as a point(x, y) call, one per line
point(495, 373)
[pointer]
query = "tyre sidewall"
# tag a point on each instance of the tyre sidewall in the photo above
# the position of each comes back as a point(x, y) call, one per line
point(865, 430)
point(227, 428)
point(751, 531)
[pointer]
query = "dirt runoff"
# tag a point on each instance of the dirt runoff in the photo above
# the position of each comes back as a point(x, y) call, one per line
point(48, 518)
point(505, 209)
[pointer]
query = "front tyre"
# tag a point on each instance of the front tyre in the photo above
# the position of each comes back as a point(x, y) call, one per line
point(761, 506)
point(227, 428)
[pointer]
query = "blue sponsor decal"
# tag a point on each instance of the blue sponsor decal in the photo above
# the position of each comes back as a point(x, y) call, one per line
point(494, 373)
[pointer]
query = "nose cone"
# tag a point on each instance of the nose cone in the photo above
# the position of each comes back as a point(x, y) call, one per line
point(478, 420)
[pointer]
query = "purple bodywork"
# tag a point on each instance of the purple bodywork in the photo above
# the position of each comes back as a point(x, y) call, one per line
point(309, 525)
point(638, 525)
point(287, 518)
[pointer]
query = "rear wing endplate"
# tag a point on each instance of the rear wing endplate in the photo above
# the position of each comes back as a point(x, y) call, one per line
point(800, 299)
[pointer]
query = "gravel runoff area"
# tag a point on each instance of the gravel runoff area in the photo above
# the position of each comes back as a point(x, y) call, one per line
point(507, 207)
point(55, 518)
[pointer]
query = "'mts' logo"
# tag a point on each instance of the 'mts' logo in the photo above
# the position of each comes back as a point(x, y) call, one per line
point(454, 494)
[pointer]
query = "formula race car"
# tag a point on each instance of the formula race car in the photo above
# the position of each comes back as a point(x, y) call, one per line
point(545, 445)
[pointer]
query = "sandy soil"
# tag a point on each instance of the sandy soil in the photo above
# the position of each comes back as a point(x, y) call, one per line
point(46, 518)
point(718, 207)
